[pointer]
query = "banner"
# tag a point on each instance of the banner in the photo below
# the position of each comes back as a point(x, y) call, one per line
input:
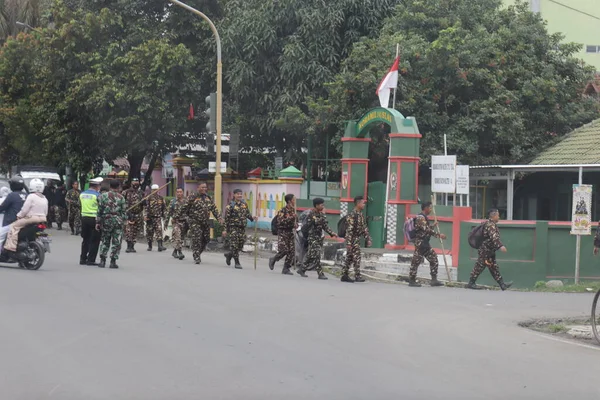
point(443, 174)
point(462, 179)
point(581, 221)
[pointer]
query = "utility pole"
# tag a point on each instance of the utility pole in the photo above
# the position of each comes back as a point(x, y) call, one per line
point(218, 177)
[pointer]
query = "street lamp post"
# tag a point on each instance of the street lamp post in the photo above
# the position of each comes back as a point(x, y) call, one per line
point(218, 178)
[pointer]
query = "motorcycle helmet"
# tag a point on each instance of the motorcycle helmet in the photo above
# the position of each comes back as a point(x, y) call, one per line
point(16, 183)
point(36, 186)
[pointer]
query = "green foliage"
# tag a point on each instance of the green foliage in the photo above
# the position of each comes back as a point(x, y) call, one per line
point(280, 53)
point(492, 79)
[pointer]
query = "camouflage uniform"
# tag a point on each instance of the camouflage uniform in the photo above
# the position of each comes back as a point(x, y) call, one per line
point(487, 253)
point(74, 210)
point(317, 223)
point(135, 218)
point(237, 215)
point(155, 211)
point(356, 228)
point(423, 232)
point(287, 220)
point(111, 216)
point(198, 209)
point(175, 213)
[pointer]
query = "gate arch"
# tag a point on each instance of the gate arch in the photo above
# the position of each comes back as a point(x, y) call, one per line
point(403, 173)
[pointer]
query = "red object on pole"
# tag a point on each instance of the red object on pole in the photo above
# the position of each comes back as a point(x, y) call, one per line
point(191, 114)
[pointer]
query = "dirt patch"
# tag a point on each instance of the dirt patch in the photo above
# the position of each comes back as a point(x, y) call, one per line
point(565, 328)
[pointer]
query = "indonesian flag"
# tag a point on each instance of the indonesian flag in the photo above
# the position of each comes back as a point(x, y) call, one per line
point(389, 82)
point(191, 114)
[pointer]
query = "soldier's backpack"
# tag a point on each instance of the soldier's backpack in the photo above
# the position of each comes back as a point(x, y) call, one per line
point(303, 220)
point(476, 236)
point(409, 230)
point(342, 226)
point(274, 225)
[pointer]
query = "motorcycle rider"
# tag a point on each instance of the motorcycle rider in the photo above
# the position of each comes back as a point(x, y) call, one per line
point(34, 211)
point(14, 201)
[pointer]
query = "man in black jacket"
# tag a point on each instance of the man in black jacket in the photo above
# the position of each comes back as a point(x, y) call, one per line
point(14, 201)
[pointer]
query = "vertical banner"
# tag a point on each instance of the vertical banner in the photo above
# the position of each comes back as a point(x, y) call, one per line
point(581, 221)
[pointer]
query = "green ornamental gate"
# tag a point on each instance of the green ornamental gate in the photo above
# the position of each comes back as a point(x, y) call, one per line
point(388, 205)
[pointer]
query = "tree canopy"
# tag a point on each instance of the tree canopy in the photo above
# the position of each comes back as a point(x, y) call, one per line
point(111, 78)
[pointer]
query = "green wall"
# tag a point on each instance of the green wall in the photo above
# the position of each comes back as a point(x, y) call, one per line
point(536, 252)
point(330, 206)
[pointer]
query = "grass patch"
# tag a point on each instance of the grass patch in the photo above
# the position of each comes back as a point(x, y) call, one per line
point(583, 287)
point(556, 328)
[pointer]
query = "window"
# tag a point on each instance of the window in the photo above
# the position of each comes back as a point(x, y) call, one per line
point(592, 49)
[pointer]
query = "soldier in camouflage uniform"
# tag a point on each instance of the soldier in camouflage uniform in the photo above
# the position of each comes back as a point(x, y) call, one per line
point(135, 208)
point(198, 209)
point(487, 252)
point(74, 208)
point(355, 229)
point(155, 211)
point(424, 232)
point(316, 223)
point(287, 221)
point(175, 213)
point(111, 217)
point(237, 215)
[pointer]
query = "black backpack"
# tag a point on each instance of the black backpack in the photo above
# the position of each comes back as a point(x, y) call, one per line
point(274, 225)
point(476, 236)
point(342, 226)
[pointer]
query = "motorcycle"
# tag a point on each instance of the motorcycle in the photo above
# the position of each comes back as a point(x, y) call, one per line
point(32, 246)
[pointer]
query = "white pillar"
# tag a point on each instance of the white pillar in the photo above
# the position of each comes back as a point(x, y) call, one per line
point(510, 194)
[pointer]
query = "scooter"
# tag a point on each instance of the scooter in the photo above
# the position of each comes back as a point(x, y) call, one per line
point(32, 246)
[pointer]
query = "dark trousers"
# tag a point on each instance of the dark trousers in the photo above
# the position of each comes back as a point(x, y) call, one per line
point(91, 240)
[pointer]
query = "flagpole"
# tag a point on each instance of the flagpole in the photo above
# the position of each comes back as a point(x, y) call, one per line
point(397, 54)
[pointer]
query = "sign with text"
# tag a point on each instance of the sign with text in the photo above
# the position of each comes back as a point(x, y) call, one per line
point(581, 221)
point(212, 167)
point(443, 174)
point(462, 179)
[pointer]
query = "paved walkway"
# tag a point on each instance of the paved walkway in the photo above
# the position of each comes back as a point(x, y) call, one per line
point(161, 329)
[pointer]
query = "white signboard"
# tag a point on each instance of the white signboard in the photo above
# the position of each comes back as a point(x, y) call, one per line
point(581, 222)
point(212, 167)
point(462, 179)
point(443, 174)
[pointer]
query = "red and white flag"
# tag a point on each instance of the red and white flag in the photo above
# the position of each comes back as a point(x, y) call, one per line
point(389, 82)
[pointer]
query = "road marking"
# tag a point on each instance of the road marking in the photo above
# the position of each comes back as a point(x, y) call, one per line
point(53, 390)
point(549, 337)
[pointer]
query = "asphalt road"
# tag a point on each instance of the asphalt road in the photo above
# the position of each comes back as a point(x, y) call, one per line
point(159, 328)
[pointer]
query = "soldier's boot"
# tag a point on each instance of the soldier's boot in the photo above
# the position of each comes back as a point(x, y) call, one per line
point(237, 263)
point(160, 246)
point(228, 257)
point(286, 270)
point(472, 285)
point(503, 285)
point(59, 227)
point(322, 276)
point(77, 231)
point(434, 281)
point(272, 263)
point(346, 278)
point(412, 282)
point(149, 245)
point(129, 247)
point(301, 272)
point(175, 253)
point(113, 264)
point(359, 278)
point(181, 255)
point(102, 263)
point(72, 230)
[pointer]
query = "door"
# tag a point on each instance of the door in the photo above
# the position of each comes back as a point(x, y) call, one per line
point(375, 212)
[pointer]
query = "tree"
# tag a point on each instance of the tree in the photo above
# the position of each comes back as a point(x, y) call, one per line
point(493, 79)
point(281, 52)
